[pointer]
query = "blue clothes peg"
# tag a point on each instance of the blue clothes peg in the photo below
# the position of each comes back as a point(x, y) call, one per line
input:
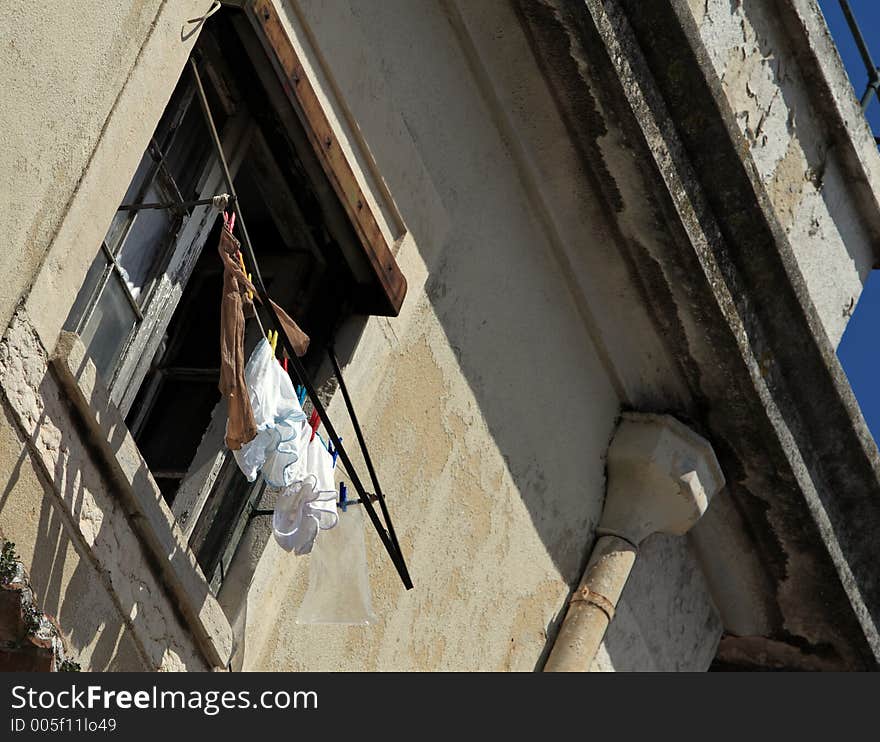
point(343, 496)
point(333, 451)
point(301, 394)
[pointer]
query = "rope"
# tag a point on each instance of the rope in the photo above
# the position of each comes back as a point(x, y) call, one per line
point(184, 34)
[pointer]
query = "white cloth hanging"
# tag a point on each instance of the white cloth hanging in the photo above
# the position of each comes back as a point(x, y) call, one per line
point(309, 504)
point(276, 450)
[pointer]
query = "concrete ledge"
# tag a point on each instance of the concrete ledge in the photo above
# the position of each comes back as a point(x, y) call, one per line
point(147, 510)
point(721, 276)
point(820, 64)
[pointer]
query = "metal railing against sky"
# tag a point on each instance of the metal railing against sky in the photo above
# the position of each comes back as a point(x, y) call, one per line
point(873, 87)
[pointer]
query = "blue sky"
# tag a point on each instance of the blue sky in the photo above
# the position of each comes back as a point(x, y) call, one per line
point(859, 350)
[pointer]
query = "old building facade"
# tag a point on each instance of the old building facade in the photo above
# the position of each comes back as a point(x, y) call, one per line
point(526, 225)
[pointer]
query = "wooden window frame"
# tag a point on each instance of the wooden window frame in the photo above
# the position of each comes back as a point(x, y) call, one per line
point(301, 95)
point(175, 265)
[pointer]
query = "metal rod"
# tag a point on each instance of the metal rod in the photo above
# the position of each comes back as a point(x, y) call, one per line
point(870, 91)
point(256, 513)
point(390, 546)
point(175, 204)
point(331, 351)
point(860, 40)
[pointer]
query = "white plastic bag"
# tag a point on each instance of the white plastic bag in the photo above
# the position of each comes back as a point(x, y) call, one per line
point(339, 582)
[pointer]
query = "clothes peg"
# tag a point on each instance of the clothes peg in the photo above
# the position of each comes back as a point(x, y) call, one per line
point(284, 363)
point(273, 340)
point(232, 222)
point(343, 497)
point(241, 263)
point(314, 423)
point(333, 452)
point(301, 394)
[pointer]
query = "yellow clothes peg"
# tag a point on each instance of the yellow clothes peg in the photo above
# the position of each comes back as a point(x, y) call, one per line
point(244, 270)
point(273, 340)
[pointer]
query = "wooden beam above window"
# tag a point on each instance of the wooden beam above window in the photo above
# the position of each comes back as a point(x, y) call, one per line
point(299, 90)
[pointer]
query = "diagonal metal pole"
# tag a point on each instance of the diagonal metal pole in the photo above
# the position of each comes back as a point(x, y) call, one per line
point(331, 351)
point(865, 53)
point(390, 544)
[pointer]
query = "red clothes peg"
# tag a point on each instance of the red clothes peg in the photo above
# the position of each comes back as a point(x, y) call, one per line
point(314, 423)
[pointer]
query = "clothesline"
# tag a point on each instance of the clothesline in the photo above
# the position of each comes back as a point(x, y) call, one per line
point(385, 531)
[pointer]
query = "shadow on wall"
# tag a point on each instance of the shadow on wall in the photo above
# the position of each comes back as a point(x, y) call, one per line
point(508, 323)
point(109, 594)
point(71, 597)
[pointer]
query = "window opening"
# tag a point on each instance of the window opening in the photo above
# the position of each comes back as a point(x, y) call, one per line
point(148, 311)
point(384, 530)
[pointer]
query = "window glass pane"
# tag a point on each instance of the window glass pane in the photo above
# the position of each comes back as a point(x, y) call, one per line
point(181, 99)
point(188, 152)
point(144, 245)
point(84, 297)
point(108, 328)
point(132, 195)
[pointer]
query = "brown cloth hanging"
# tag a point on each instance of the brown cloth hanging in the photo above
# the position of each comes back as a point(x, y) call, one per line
point(241, 427)
point(299, 341)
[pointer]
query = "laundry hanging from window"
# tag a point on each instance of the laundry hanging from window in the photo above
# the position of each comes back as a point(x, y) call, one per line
point(237, 301)
point(266, 427)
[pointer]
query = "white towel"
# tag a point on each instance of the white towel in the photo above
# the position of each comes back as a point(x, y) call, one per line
point(276, 450)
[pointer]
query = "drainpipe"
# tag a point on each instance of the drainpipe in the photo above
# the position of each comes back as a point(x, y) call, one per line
point(661, 477)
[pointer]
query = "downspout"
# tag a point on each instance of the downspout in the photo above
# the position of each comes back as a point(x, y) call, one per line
point(661, 477)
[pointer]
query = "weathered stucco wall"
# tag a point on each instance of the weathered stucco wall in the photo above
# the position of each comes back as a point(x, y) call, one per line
point(84, 85)
point(62, 573)
point(81, 509)
point(62, 70)
point(490, 402)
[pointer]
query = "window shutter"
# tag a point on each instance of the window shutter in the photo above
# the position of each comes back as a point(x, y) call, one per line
point(390, 283)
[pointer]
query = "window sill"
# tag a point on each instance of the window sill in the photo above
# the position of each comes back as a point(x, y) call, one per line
point(149, 513)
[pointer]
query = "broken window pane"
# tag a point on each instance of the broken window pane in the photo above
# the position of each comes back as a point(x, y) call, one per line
point(142, 251)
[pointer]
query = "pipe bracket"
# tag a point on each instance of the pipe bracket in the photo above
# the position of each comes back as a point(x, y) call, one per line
point(585, 595)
